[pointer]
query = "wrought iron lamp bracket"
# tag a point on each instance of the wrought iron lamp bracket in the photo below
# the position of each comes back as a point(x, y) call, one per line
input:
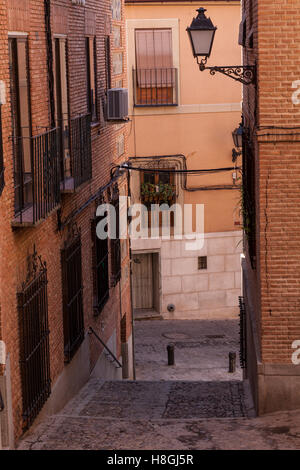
point(235, 154)
point(241, 73)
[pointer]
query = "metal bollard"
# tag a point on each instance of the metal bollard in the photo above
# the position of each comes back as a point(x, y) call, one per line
point(170, 349)
point(232, 362)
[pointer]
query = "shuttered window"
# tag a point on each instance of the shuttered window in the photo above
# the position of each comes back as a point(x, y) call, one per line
point(62, 103)
point(154, 53)
point(91, 77)
point(21, 122)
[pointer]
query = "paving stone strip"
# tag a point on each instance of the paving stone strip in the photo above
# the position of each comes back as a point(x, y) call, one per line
point(162, 415)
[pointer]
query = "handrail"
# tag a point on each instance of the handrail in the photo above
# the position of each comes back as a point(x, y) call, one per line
point(103, 344)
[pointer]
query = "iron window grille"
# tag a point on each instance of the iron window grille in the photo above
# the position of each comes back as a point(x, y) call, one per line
point(202, 262)
point(100, 269)
point(34, 340)
point(1, 157)
point(115, 242)
point(155, 87)
point(73, 321)
point(37, 192)
point(78, 168)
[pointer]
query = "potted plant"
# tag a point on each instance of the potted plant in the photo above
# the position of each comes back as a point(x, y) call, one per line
point(163, 192)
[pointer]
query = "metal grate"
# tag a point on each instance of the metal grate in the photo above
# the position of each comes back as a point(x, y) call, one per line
point(243, 344)
point(202, 262)
point(72, 296)
point(34, 341)
point(101, 276)
point(155, 87)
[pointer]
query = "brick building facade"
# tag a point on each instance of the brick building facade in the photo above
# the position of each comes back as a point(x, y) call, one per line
point(271, 112)
point(57, 279)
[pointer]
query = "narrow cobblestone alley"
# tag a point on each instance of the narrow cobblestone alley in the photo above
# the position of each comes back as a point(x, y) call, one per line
point(213, 410)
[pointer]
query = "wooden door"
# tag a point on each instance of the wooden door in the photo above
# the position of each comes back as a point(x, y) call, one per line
point(142, 271)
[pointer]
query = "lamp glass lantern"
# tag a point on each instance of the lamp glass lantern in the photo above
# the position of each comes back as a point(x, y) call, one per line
point(237, 136)
point(201, 34)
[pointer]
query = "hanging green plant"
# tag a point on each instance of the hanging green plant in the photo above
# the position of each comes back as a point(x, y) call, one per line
point(163, 192)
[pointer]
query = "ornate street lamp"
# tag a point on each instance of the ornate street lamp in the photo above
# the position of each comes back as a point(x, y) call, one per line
point(237, 136)
point(202, 33)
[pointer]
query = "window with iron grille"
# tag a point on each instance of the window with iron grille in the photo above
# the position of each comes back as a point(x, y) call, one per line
point(115, 244)
point(1, 158)
point(73, 322)
point(249, 200)
point(155, 78)
point(34, 340)
point(91, 77)
point(36, 165)
point(100, 268)
point(158, 188)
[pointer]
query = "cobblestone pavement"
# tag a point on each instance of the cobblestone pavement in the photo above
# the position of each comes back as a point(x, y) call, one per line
point(162, 415)
point(201, 349)
point(195, 404)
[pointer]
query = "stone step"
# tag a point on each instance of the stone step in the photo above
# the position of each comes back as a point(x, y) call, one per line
point(160, 400)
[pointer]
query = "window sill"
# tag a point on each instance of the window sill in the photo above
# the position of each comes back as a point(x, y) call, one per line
point(95, 124)
point(99, 308)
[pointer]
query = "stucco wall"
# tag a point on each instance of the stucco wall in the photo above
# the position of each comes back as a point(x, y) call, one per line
point(207, 293)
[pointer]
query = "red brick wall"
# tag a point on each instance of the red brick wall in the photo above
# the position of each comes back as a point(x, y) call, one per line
point(276, 136)
point(15, 245)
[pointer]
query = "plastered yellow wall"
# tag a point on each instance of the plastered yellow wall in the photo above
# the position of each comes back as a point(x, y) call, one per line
point(208, 110)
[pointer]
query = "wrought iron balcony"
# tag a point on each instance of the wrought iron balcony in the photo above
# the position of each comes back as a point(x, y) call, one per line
point(155, 87)
point(76, 152)
point(36, 176)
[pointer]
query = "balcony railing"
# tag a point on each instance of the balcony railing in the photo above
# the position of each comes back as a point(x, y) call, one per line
point(155, 87)
point(76, 154)
point(37, 177)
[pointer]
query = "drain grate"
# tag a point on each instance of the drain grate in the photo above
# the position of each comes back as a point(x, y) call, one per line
point(175, 335)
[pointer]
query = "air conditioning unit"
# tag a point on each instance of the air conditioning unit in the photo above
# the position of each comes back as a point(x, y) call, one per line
point(117, 104)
